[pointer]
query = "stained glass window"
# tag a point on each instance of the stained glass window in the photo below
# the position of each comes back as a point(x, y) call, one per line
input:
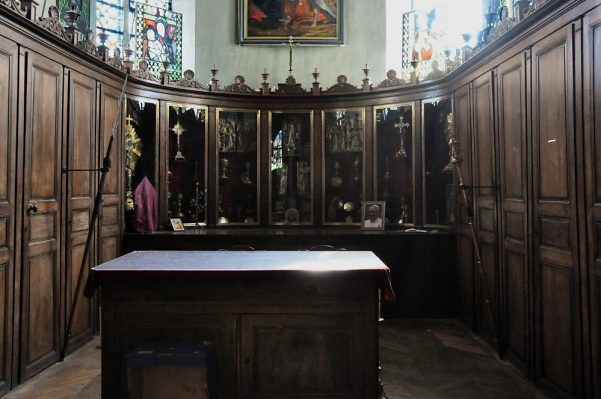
point(159, 37)
point(83, 7)
point(109, 19)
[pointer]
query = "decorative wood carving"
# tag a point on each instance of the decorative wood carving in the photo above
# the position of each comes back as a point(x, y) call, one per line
point(143, 73)
point(52, 22)
point(342, 86)
point(189, 81)
point(88, 43)
point(391, 80)
point(116, 60)
point(14, 5)
point(239, 86)
point(290, 87)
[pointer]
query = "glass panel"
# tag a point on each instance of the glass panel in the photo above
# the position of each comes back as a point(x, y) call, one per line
point(438, 170)
point(109, 19)
point(140, 166)
point(291, 194)
point(237, 167)
point(394, 162)
point(343, 132)
point(187, 164)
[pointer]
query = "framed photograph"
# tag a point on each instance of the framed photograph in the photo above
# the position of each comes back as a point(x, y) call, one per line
point(177, 224)
point(314, 22)
point(373, 215)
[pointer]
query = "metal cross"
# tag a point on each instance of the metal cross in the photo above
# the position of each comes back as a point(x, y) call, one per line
point(401, 125)
point(290, 44)
point(178, 130)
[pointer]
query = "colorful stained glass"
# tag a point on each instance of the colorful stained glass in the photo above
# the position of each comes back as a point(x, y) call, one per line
point(109, 19)
point(83, 7)
point(159, 37)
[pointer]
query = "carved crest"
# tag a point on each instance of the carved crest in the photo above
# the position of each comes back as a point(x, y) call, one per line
point(391, 80)
point(290, 87)
point(143, 73)
point(88, 44)
point(116, 60)
point(239, 86)
point(189, 81)
point(52, 23)
point(342, 86)
point(14, 5)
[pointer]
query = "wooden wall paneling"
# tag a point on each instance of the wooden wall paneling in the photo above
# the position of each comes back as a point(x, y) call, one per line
point(9, 55)
point(558, 360)
point(514, 178)
point(80, 194)
point(465, 249)
point(592, 152)
point(485, 208)
point(41, 300)
point(110, 221)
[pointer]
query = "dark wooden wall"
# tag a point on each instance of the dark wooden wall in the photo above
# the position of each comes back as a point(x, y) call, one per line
point(526, 115)
point(528, 121)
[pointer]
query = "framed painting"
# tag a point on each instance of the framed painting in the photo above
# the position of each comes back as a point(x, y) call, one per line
point(314, 22)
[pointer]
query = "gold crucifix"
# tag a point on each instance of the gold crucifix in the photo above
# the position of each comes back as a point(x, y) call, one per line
point(290, 44)
point(178, 130)
point(401, 125)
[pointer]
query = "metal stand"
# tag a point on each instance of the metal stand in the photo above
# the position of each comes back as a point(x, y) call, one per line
point(106, 166)
point(457, 160)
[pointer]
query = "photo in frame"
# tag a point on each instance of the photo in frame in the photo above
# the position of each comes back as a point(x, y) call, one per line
point(177, 224)
point(373, 215)
point(314, 22)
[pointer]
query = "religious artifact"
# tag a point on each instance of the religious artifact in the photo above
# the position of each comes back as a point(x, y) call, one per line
point(246, 175)
point(291, 136)
point(228, 139)
point(336, 180)
point(178, 205)
point(357, 166)
point(178, 130)
point(302, 170)
point(224, 164)
point(283, 173)
point(448, 133)
point(133, 152)
point(402, 126)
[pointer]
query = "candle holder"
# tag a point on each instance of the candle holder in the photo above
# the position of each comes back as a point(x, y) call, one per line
point(214, 80)
point(265, 84)
point(71, 29)
point(415, 73)
point(366, 82)
point(128, 62)
point(165, 77)
point(103, 50)
point(316, 89)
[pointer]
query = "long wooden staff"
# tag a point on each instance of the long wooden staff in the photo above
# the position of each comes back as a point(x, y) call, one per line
point(457, 160)
point(106, 166)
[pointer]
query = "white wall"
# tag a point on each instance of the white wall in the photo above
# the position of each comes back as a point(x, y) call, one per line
point(188, 10)
point(365, 42)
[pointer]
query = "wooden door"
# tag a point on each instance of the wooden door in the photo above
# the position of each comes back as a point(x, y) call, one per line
point(109, 245)
point(8, 125)
point(485, 208)
point(465, 245)
point(556, 284)
point(41, 289)
point(513, 173)
point(81, 188)
point(592, 149)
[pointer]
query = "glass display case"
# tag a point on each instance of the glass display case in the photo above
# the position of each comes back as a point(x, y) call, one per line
point(394, 161)
point(439, 190)
point(343, 133)
point(290, 177)
point(237, 167)
point(140, 143)
point(187, 155)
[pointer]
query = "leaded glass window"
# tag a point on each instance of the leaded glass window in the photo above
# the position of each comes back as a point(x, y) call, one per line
point(109, 19)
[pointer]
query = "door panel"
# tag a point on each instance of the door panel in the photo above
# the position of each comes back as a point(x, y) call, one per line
point(81, 187)
point(592, 150)
point(109, 221)
point(485, 208)
point(513, 175)
point(8, 97)
point(554, 215)
point(41, 300)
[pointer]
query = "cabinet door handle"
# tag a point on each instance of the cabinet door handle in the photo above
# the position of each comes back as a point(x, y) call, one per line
point(32, 208)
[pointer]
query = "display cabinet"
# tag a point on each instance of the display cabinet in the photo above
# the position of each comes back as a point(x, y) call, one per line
point(237, 168)
point(141, 177)
point(187, 157)
point(394, 159)
point(290, 175)
point(439, 190)
point(343, 132)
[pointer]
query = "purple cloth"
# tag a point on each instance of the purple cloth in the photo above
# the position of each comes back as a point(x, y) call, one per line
point(145, 198)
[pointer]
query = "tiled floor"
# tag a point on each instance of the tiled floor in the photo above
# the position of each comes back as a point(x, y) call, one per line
point(421, 359)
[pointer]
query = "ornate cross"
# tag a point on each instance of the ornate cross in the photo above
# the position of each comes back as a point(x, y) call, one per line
point(290, 45)
point(401, 125)
point(178, 130)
